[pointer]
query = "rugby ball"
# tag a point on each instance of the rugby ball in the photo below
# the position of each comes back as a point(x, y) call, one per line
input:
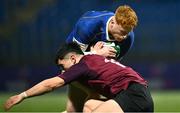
point(115, 46)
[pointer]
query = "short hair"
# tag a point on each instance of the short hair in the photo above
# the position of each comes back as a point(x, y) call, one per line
point(126, 17)
point(67, 48)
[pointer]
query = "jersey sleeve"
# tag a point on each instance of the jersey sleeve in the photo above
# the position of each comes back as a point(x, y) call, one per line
point(75, 72)
point(80, 33)
point(83, 32)
point(126, 44)
point(77, 36)
point(69, 39)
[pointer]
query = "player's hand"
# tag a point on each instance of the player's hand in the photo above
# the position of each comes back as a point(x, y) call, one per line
point(99, 49)
point(12, 101)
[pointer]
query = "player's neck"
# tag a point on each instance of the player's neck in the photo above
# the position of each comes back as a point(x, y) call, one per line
point(79, 57)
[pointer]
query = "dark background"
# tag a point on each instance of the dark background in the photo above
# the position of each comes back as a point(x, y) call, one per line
point(32, 30)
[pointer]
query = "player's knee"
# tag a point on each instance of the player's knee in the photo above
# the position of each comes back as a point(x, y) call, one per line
point(88, 106)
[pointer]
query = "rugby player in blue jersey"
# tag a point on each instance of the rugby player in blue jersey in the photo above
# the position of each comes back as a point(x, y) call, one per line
point(106, 26)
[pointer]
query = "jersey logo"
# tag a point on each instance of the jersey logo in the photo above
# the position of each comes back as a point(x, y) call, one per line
point(114, 62)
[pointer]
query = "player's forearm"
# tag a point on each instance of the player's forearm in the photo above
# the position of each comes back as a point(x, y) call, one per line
point(38, 89)
point(43, 87)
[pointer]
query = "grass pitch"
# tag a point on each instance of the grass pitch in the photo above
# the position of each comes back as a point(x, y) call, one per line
point(53, 102)
point(165, 101)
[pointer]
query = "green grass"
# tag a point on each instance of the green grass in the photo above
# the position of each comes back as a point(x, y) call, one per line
point(165, 101)
point(45, 103)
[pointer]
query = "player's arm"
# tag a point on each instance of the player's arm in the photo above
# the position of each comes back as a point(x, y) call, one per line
point(41, 88)
point(45, 86)
point(84, 31)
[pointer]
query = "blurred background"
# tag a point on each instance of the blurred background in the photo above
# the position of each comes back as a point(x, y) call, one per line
point(32, 30)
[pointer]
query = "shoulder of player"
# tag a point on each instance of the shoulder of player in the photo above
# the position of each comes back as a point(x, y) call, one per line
point(131, 33)
point(91, 60)
point(96, 14)
point(93, 19)
point(92, 57)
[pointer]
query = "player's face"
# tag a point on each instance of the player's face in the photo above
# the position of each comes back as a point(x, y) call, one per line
point(67, 62)
point(117, 30)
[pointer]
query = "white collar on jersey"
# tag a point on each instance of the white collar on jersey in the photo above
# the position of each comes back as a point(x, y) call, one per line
point(82, 46)
point(107, 34)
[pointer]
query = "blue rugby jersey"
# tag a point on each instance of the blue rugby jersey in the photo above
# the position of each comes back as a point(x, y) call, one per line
point(93, 26)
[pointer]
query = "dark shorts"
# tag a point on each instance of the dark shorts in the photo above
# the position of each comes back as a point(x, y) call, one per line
point(136, 98)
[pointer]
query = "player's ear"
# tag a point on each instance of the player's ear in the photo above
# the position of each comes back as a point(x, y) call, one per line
point(73, 58)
